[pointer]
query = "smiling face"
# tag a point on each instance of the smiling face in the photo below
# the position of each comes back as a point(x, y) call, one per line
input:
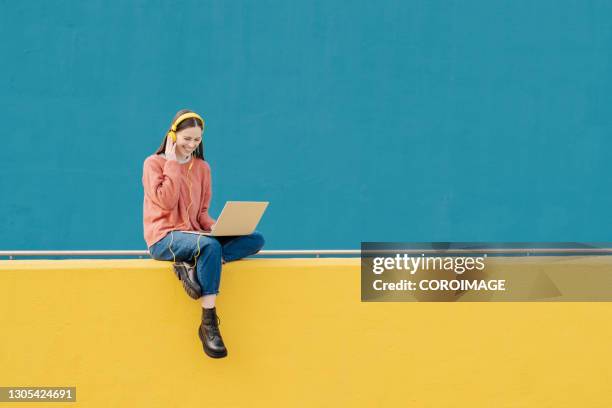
point(187, 140)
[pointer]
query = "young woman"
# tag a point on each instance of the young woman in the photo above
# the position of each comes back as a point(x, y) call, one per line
point(177, 192)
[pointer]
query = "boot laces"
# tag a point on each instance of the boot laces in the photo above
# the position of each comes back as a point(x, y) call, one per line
point(213, 326)
point(216, 325)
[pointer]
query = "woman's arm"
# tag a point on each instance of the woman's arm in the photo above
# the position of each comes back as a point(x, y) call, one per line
point(161, 184)
point(205, 221)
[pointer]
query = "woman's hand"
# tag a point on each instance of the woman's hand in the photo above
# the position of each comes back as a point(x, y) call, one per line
point(170, 149)
point(209, 229)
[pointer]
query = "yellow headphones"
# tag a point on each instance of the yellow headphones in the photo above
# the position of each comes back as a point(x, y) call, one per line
point(172, 131)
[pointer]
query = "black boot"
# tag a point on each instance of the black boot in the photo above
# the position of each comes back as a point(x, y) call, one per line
point(186, 273)
point(210, 334)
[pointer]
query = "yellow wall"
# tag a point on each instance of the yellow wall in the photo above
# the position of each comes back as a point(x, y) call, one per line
point(125, 334)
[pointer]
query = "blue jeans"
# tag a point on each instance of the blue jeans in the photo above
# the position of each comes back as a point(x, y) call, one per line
point(207, 253)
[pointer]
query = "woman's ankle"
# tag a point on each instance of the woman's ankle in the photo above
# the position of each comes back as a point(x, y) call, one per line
point(208, 301)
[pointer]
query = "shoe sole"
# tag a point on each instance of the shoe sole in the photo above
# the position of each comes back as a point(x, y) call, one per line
point(181, 274)
point(209, 352)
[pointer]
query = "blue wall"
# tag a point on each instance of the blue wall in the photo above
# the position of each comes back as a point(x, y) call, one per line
point(388, 121)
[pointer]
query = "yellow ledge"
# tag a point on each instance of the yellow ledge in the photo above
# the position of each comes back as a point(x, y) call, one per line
point(125, 334)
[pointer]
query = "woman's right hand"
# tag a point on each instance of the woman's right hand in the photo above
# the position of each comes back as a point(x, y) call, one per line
point(170, 149)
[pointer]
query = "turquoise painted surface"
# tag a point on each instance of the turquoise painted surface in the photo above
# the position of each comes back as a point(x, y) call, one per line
point(380, 121)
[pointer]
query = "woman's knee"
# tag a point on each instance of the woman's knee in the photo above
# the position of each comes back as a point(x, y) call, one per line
point(258, 240)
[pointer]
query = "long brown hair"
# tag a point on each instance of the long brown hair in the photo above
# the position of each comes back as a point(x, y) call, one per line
point(184, 124)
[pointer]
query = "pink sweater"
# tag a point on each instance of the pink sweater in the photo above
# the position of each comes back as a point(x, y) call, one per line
point(166, 197)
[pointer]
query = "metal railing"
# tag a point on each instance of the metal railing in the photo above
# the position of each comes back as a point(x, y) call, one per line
point(144, 253)
point(321, 252)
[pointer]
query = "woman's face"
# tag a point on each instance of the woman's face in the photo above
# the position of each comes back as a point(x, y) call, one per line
point(187, 140)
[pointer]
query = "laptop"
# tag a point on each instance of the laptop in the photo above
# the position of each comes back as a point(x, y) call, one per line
point(236, 218)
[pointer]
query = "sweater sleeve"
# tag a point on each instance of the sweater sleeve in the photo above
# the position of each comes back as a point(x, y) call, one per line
point(204, 219)
point(161, 184)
